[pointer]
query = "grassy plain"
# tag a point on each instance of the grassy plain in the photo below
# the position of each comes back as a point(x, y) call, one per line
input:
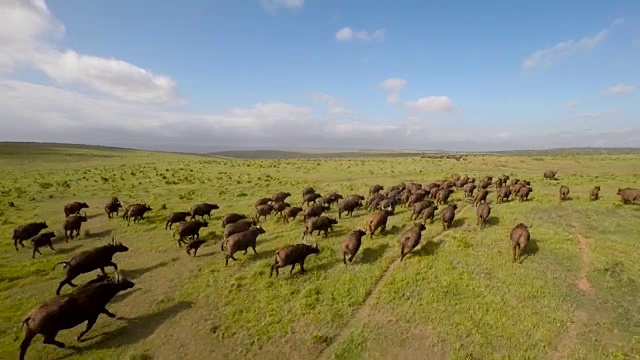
point(457, 296)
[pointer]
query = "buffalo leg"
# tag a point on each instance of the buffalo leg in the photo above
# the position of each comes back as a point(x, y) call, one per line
point(50, 339)
point(302, 268)
point(51, 247)
point(351, 257)
point(292, 267)
point(108, 313)
point(35, 249)
point(90, 322)
point(513, 252)
point(15, 243)
point(113, 265)
point(254, 250)
point(28, 337)
point(245, 251)
point(344, 258)
point(102, 270)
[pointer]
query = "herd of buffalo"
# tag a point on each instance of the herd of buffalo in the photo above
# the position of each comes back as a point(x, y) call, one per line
point(86, 302)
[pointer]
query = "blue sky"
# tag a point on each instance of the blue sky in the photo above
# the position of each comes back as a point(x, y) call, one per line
point(317, 74)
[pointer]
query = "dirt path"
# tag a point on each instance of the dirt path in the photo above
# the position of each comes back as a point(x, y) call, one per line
point(579, 317)
point(361, 311)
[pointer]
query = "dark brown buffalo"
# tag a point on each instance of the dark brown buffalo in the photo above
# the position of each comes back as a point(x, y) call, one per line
point(202, 210)
point(232, 218)
point(416, 197)
point(176, 217)
point(319, 224)
point(292, 255)
point(523, 193)
point(310, 199)
point(263, 211)
point(74, 208)
point(41, 240)
point(291, 213)
point(375, 189)
point(447, 215)
point(418, 207)
point(443, 196)
point(279, 207)
point(238, 227)
point(189, 229)
point(373, 201)
point(89, 260)
point(263, 201)
point(503, 194)
point(429, 213)
point(629, 195)
point(70, 310)
point(113, 206)
point(136, 212)
point(307, 191)
point(563, 192)
point(313, 211)
point(349, 206)
point(25, 232)
point(194, 245)
point(73, 224)
point(355, 196)
point(379, 221)
point(351, 245)
point(469, 189)
point(482, 213)
point(410, 239)
point(520, 236)
point(280, 197)
point(549, 174)
point(594, 194)
point(241, 242)
point(433, 193)
point(481, 196)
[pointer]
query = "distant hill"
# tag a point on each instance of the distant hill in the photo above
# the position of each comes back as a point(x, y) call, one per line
point(280, 154)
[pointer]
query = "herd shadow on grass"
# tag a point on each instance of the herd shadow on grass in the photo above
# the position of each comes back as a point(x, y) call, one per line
point(530, 250)
point(99, 234)
point(135, 330)
point(136, 273)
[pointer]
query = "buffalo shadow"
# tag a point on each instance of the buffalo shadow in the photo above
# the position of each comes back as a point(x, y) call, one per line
point(371, 254)
point(99, 234)
point(66, 250)
point(428, 248)
point(136, 329)
point(458, 222)
point(136, 273)
point(492, 221)
point(92, 216)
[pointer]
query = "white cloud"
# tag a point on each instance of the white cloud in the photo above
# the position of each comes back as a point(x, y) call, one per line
point(27, 39)
point(593, 115)
point(347, 34)
point(272, 6)
point(619, 89)
point(335, 106)
point(30, 112)
point(429, 104)
point(546, 57)
point(572, 104)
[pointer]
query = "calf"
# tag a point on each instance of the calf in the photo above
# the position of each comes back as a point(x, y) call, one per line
point(448, 215)
point(189, 229)
point(241, 241)
point(202, 210)
point(25, 232)
point(319, 224)
point(194, 245)
point(482, 213)
point(410, 239)
point(136, 212)
point(520, 236)
point(351, 244)
point(74, 208)
point(113, 206)
point(71, 224)
point(232, 218)
point(238, 227)
point(263, 210)
point(349, 206)
point(176, 217)
point(379, 220)
point(563, 192)
point(292, 255)
point(40, 240)
point(70, 310)
point(89, 260)
point(594, 195)
point(291, 213)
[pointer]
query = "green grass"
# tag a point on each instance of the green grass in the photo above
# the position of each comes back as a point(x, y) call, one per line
point(456, 296)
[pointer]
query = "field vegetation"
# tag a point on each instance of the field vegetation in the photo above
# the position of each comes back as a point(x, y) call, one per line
point(458, 295)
